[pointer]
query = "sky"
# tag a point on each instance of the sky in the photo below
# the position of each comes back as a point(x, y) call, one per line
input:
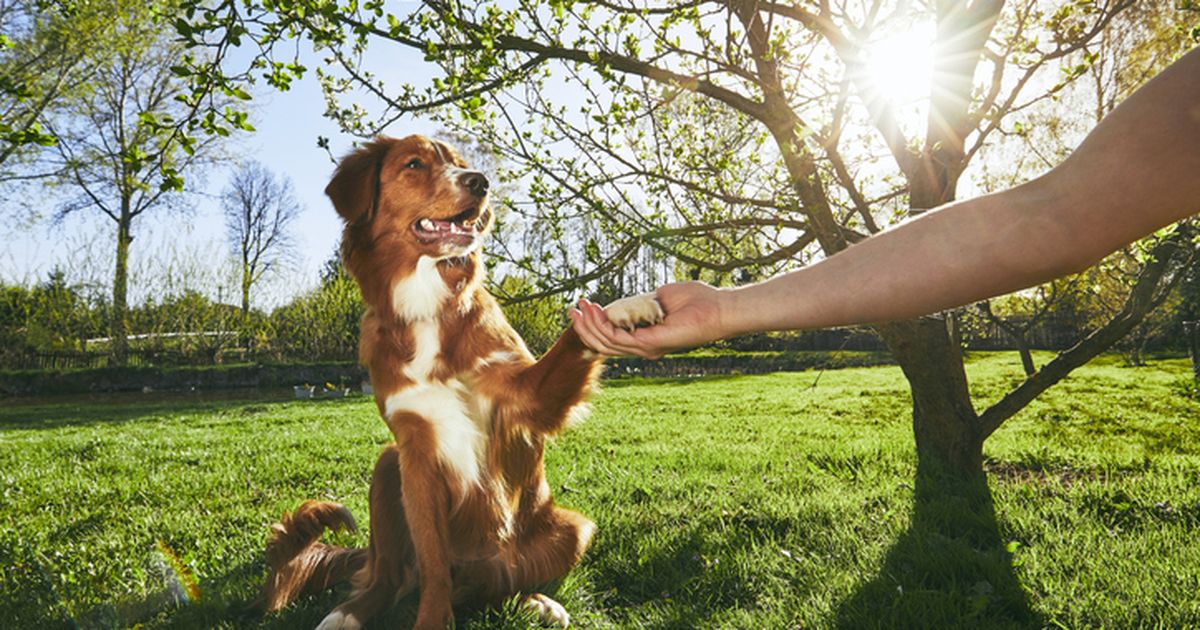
point(189, 250)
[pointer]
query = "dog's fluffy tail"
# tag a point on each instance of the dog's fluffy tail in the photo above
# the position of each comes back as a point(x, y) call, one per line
point(299, 563)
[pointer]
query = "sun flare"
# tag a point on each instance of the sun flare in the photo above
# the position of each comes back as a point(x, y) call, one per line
point(900, 65)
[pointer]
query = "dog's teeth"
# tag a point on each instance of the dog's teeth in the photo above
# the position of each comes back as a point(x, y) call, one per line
point(427, 225)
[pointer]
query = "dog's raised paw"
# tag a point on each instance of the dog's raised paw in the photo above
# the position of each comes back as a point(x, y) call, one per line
point(631, 312)
point(549, 611)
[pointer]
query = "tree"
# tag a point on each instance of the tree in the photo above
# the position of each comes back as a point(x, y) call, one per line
point(120, 146)
point(185, 326)
point(41, 59)
point(722, 123)
point(1020, 314)
point(539, 322)
point(323, 323)
point(260, 209)
point(52, 315)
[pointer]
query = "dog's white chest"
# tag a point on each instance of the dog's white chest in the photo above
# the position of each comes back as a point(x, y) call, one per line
point(460, 424)
point(427, 345)
point(460, 418)
point(420, 295)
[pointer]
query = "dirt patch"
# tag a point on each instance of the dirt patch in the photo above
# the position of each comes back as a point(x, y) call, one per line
point(1024, 472)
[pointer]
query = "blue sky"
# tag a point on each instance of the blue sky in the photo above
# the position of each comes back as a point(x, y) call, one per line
point(168, 247)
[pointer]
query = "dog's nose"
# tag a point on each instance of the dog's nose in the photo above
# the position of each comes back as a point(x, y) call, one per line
point(474, 182)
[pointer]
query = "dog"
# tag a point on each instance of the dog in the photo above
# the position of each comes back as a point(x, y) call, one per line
point(459, 505)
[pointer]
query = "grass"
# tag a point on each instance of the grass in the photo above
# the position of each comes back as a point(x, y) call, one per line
point(741, 502)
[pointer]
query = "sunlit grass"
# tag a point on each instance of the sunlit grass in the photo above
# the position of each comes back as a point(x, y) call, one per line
point(743, 502)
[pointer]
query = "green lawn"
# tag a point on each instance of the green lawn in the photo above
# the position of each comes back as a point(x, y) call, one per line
point(774, 501)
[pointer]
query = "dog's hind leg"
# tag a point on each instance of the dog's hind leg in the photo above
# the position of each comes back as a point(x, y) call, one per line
point(389, 573)
point(556, 544)
point(553, 543)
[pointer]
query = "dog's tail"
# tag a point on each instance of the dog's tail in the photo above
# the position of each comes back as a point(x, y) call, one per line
point(299, 563)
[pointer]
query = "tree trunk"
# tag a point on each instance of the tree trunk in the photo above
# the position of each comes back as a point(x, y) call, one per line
point(944, 420)
point(1192, 334)
point(1023, 350)
point(245, 323)
point(118, 344)
point(246, 294)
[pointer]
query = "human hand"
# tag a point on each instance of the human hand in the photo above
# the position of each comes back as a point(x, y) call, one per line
point(693, 317)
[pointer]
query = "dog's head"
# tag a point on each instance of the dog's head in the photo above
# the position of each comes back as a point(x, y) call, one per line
point(404, 200)
point(413, 193)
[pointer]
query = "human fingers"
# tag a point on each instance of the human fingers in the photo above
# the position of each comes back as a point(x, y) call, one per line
point(602, 335)
point(589, 333)
point(619, 339)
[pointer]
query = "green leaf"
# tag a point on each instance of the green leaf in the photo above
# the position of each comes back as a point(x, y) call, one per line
point(183, 27)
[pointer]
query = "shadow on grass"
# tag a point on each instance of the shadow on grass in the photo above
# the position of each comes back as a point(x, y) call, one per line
point(228, 604)
point(951, 569)
point(672, 583)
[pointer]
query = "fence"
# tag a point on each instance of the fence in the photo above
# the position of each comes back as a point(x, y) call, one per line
point(1052, 333)
point(63, 360)
point(757, 363)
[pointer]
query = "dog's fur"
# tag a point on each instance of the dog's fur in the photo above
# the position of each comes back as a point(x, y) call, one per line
point(459, 505)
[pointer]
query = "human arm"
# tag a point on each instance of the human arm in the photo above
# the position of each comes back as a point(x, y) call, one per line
point(1137, 171)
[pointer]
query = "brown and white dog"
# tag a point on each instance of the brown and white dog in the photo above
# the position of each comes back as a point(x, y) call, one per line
point(459, 505)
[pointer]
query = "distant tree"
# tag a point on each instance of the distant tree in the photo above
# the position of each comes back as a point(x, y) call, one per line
point(42, 57)
point(332, 270)
point(539, 321)
point(51, 315)
point(260, 209)
point(119, 146)
point(1189, 304)
point(321, 324)
point(1019, 314)
point(62, 317)
point(188, 324)
point(1107, 284)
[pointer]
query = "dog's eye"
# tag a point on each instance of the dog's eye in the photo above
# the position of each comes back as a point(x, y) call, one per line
point(414, 164)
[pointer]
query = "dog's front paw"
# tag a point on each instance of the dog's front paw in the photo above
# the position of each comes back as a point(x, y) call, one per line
point(549, 611)
point(631, 312)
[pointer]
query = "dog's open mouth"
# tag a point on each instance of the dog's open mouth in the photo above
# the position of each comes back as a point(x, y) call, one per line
point(460, 229)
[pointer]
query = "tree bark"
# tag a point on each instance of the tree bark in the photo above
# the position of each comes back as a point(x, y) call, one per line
point(944, 420)
point(1027, 363)
point(247, 281)
point(1192, 332)
point(118, 344)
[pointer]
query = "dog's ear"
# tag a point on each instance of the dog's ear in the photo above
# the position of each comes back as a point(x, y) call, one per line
point(354, 189)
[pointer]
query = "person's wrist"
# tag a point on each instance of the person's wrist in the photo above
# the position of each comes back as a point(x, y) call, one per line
point(730, 314)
